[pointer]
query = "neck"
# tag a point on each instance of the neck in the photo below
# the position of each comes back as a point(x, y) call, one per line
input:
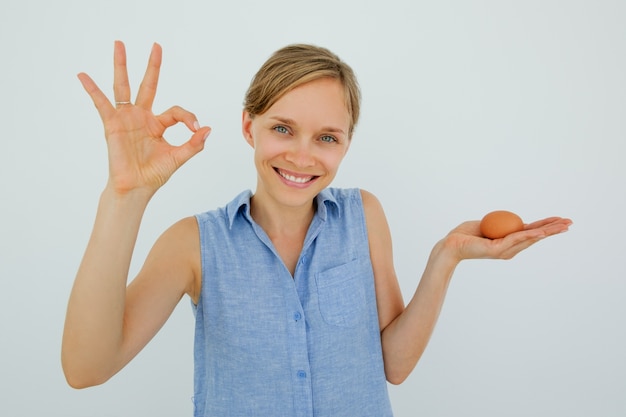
point(280, 220)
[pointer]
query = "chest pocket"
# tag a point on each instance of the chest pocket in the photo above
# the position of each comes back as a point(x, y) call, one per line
point(342, 293)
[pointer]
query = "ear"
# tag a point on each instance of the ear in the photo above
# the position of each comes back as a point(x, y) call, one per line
point(246, 128)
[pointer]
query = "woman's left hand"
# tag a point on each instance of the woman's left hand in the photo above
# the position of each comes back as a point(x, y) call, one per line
point(467, 242)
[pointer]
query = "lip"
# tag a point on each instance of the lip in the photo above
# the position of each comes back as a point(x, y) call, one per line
point(294, 179)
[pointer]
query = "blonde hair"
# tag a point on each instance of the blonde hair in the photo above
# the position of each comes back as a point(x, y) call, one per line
point(297, 64)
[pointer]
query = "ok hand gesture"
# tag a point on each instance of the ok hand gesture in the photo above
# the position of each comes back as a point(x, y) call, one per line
point(140, 159)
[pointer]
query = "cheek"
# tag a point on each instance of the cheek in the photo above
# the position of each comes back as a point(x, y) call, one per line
point(265, 148)
point(333, 159)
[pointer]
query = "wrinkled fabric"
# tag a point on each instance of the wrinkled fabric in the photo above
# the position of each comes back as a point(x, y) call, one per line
point(269, 344)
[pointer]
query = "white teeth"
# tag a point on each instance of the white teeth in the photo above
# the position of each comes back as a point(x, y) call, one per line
point(299, 180)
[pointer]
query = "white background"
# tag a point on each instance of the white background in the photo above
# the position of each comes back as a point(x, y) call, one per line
point(468, 107)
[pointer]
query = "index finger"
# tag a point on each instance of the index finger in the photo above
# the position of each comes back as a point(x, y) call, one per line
point(100, 100)
point(148, 87)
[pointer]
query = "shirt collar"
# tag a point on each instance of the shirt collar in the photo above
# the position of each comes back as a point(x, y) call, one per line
point(241, 205)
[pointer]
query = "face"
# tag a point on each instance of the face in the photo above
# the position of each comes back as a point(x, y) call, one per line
point(299, 142)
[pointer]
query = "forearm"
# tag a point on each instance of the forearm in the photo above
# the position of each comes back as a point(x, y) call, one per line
point(405, 339)
point(93, 334)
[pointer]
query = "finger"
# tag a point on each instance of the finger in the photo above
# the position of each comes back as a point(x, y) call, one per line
point(121, 86)
point(551, 225)
point(559, 226)
point(102, 103)
point(541, 222)
point(177, 114)
point(519, 241)
point(194, 145)
point(148, 87)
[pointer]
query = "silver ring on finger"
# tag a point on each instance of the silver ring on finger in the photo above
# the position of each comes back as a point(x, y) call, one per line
point(120, 103)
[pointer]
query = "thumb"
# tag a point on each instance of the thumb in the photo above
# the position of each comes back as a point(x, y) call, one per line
point(194, 145)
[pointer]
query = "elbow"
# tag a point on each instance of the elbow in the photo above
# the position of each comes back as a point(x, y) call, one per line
point(80, 376)
point(81, 380)
point(78, 379)
point(396, 373)
point(396, 378)
point(76, 382)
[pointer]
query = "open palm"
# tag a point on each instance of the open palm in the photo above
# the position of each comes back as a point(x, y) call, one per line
point(469, 243)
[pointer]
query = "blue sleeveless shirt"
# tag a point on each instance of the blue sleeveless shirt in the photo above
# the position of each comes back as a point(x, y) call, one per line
point(268, 344)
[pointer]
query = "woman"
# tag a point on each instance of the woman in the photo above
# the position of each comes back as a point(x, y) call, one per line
point(298, 308)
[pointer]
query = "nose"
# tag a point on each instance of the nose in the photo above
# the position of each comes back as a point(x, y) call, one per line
point(300, 153)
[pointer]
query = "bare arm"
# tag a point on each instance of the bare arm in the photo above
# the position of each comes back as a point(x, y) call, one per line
point(107, 323)
point(405, 332)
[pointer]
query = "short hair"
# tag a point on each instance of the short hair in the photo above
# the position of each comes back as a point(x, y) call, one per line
point(297, 64)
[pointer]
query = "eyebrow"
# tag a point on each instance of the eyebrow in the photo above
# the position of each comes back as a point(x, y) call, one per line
point(292, 122)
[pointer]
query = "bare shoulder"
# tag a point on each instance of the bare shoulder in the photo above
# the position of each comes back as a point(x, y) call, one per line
point(186, 229)
point(181, 239)
point(373, 209)
point(377, 227)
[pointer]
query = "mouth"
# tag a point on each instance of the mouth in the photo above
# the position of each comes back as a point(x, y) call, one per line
point(295, 178)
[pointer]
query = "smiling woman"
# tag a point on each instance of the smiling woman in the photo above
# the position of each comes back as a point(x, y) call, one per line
point(311, 321)
point(305, 149)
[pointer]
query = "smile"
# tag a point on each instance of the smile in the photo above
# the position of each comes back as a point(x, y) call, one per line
point(294, 178)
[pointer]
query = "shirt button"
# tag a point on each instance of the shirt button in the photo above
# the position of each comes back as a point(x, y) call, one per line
point(297, 316)
point(303, 260)
point(301, 374)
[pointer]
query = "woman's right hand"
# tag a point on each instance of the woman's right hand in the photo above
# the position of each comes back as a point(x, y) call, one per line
point(140, 159)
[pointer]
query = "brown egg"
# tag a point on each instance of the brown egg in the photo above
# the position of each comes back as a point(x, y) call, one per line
point(498, 224)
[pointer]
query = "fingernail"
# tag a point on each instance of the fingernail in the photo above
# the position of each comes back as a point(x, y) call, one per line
point(206, 135)
point(196, 125)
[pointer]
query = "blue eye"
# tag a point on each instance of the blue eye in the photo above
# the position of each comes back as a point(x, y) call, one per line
point(281, 129)
point(328, 139)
